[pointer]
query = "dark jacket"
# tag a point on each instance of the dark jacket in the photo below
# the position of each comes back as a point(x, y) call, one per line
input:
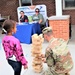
point(24, 19)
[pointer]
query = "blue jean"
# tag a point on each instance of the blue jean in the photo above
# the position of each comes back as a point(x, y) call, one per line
point(16, 66)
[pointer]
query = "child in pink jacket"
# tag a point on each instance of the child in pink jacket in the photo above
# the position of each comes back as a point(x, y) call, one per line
point(12, 47)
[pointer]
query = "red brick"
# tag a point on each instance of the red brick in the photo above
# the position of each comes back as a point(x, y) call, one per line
point(60, 28)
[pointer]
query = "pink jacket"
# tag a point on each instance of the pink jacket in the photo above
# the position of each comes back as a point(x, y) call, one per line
point(12, 47)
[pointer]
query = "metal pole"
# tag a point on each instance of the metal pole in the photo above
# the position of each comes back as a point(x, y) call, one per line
point(31, 2)
point(58, 4)
point(20, 3)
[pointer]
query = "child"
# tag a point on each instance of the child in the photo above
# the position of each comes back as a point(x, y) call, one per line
point(12, 48)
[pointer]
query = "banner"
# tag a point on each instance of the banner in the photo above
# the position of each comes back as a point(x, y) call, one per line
point(30, 11)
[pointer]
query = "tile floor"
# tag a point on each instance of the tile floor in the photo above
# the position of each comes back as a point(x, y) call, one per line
point(5, 69)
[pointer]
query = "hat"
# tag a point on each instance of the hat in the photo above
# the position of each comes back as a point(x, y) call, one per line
point(46, 30)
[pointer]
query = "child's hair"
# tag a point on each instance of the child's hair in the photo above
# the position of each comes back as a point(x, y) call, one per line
point(7, 26)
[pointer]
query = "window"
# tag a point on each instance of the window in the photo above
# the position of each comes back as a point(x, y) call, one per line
point(68, 4)
point(25, 2)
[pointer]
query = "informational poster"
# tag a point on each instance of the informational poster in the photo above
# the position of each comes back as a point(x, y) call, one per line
point(30, 11)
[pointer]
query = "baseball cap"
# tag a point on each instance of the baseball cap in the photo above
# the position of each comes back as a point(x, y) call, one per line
point(46, 30)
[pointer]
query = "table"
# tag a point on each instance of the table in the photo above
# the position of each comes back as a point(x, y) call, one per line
point(1, 21)
point(26, 30)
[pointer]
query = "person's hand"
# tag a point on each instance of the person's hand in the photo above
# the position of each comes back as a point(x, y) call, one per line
point(44, 60)
point(42, 55)
point(26, 20)
point(40, 21)
point(26, 67)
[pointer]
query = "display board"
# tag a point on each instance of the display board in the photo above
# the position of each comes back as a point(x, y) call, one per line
point(30, 10)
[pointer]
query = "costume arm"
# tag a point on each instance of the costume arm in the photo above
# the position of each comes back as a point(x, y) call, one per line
point(19, 54)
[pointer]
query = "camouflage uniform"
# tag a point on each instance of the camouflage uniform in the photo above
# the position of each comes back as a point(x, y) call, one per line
point(58, 58)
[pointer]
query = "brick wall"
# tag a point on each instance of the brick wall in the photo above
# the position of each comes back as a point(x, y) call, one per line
point(9, 7)
point(60, 28)
point(72, 14)
point(51, 9)
point(50, 4)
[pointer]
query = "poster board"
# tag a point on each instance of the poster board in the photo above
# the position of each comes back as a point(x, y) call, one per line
point(30, 11)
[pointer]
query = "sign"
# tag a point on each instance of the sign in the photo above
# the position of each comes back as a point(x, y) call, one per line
point(30, 11)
